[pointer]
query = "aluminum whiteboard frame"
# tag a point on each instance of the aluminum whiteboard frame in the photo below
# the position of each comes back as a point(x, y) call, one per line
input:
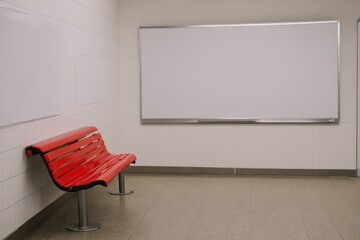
point(242, 120)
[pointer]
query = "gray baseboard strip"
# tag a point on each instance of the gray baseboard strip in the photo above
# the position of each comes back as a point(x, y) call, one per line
point(242, 171)
point(30, 225)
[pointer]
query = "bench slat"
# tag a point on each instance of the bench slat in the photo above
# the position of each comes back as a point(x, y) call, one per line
point(71, 166)
point(89, 170)
point(106, 175)
point(63, 139)
point(60, 162)
point(53, 155)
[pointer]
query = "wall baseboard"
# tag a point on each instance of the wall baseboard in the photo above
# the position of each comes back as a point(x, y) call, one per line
point(243, 171)
point(30, 225)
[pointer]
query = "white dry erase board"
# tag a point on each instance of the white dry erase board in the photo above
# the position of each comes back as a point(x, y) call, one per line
point(29, 67)
point(274, 72)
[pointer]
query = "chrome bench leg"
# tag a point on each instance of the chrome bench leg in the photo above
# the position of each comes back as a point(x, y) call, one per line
point(122, 191)
point(83, 225)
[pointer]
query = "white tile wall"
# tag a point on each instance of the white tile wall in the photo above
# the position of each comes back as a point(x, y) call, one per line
point(106, 7)
point(348, 93)
point(13, 137)
point(93, 79)
point(12, 190)
point(264, 146)
point(301, 147)
point(131, 14)
point(214, 12)
point(129, 75)
point(1, 141)
point(86, 28)
point(30, 181)
point(45, 176)
point(1, 168)
point(259, 146)
point(13, 162)
point(201, 145)
point(172, 13)
point(225, 145)
point(1, 196)
point(129, 107)
point(334, 146)
point(28, 207)
point(34, 133)
point(90, 43)
point(1, 225)
point(9, 215)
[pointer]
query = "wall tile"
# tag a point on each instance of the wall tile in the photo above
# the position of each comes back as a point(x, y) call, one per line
point(106, 8)
point(236, 12)
point(131, 17)
point(11, 188)
point(214, 12)
point(1, 196)
point(1, 139)
point(281, 10)
point(263, 146)
point(348, 93)
point(34, 133)
point(201, 146)
point(335, 146)
point(9, 215)
point(347, 12)
point(93, 79)
point(129, 76)
point(225, 146)
point(45, 176)
point(89, 43)
point(130, 107)
point(156, 145)
point(30, 182)
point(28, 207)
point(301, 147)
point(172, 13)
point(58, 126)
point(13, 137)
point(1, 168)
point(111, 139)
point(2, 225)
point(13, 162)
point(70, 12)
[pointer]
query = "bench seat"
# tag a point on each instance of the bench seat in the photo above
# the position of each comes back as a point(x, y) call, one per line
point(79, 160)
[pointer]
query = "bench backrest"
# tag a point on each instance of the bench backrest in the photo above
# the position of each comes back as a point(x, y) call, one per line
point(64, 153)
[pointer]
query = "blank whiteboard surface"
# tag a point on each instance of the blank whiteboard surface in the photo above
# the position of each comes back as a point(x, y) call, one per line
point(284, 72)
point(29, 67)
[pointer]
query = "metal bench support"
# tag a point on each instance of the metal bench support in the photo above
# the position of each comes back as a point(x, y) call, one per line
point(83, 225)
point(122, 191)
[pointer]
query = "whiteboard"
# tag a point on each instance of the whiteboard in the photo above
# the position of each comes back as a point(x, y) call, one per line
point(275, 72)
point(29, 67)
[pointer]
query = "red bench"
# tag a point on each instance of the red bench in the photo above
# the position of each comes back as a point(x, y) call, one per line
point(77, 161)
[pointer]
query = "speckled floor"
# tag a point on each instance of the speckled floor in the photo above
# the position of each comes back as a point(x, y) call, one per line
point(192, 207)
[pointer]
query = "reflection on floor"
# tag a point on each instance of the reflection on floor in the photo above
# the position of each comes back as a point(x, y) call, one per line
point(192, 207)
